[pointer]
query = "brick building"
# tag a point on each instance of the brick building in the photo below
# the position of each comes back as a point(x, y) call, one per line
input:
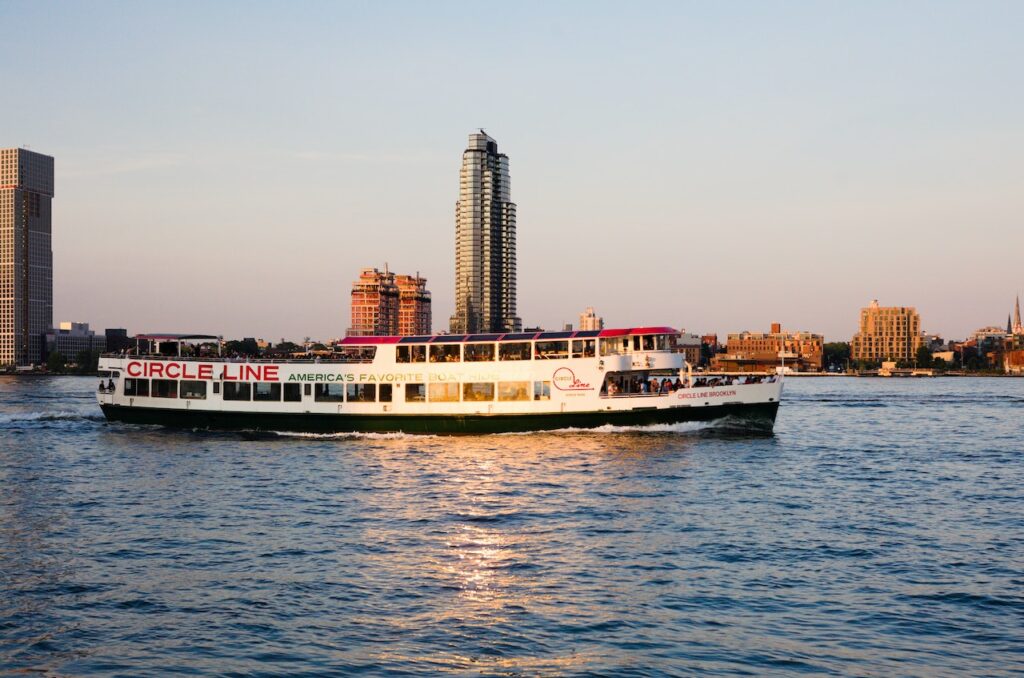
point(887, 333)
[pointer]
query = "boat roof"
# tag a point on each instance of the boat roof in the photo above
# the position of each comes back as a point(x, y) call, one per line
point(510, 336)
point(177, 337)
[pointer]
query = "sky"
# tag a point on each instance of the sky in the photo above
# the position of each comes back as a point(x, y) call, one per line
point(229, 167)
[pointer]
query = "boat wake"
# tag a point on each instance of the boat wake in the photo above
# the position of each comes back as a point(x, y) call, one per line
point(723, 425)
point(341, 436)
point(16, 418)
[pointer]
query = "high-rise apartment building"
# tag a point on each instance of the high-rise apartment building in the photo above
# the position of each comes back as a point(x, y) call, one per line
point(387, 304)
point(374, 304)
point(485, 242)
point(26, 255)
point(414, 314)
point(590, 320)
point(887, 333)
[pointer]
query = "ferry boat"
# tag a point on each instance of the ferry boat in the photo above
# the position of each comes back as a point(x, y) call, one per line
point(442, 384)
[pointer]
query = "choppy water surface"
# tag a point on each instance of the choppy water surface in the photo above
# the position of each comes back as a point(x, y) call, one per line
point(880, 531)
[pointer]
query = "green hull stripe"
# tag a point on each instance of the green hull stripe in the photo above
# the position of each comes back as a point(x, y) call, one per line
point(760, 415)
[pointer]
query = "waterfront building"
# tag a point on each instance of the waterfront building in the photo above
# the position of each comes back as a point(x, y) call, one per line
point(887, 333)
point(590, 320)
point(689, 345)
point(990, 335)
point(1013, 362)
point(485, 242)
point(386, 304)
point(764, 351)
point(117, 339)
point(26, 255)
point(414, 312)
point(374, 310)
point(70, 338)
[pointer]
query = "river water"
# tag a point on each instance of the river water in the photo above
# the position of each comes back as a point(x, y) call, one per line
point(879, 531)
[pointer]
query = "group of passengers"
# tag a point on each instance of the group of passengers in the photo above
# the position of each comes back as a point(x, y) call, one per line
point(623, 385)
point(637, 385)
point(733, 380)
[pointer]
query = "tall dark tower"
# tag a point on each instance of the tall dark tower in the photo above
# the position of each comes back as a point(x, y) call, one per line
point(485, 242)
point(26, 255)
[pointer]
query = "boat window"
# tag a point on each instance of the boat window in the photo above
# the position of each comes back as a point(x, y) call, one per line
point(614, 345)
point(165, 388)
point(648, 342)
point(292, 393)
point(514, 351)
point(136, 387)
point(266, 392)
point(328, 393)
point(415, 393)
point(411, 354)
point(103, 374)
point(542, 390)
point(477, 391)
point(361, 393)
point(479, 352)
point(551, 350)
point(239, 391)
point(216, 388)
point(444, 392)
point(583, 348)
point(384, 394)
point(664, 342)
point(195, 390)
point(307, 389)
point(445, 353)
point(513, 390)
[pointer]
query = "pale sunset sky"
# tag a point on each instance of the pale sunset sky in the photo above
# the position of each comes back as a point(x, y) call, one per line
point(229, 167)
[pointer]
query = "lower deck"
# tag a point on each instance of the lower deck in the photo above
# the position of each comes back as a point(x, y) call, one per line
point(759, 416)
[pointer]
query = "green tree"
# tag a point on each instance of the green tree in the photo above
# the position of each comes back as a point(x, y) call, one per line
point(924, 357)
point(56, 362)
point(835, 354)
point(246, 346)
point(87, 361)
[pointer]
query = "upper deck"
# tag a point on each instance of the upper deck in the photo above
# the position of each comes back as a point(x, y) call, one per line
point(436, 348)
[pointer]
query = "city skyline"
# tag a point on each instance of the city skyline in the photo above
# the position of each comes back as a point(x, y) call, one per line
point(791, 172)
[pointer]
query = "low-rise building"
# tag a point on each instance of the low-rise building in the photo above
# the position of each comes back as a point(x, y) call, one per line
point(70, 338)
point(763, 351)
point(689, 345)
point(117, 339)
point(1013, 362)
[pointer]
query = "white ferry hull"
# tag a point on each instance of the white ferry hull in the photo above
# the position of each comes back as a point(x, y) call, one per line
point(474, 385)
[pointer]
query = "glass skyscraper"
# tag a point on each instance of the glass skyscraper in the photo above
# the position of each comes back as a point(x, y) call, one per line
point(26, 255)
point(485, 242)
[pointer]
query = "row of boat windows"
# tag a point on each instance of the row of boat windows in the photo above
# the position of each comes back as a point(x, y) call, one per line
point(446, 392)
point(439, 392)
point(530, 350)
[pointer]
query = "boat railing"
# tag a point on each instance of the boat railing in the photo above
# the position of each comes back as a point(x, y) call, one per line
point(241, 359)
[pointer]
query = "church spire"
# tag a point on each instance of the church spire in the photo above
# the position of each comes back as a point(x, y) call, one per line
point(1018, 328)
